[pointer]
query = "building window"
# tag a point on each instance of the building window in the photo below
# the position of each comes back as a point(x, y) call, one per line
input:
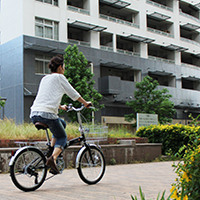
point(53, 2)
point(41, 64)
point(189, 84)
point(46, 28)
point(163, 80)
point(125, 75)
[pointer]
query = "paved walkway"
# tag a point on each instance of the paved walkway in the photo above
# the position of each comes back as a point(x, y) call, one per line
point(119, 182)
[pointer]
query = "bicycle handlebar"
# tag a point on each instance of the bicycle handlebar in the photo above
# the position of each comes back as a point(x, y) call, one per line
point(70, 108)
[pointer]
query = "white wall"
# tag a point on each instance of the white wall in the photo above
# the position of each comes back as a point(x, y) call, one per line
point(11, 23)
point(18, 17)
point(34, 8)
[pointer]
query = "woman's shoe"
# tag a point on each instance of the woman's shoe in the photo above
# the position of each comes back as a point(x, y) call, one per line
point(52, 171)
point(50, 162)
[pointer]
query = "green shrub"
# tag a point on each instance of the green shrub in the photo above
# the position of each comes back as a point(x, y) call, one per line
point(187, 185)
point(113, 161)
point(188, 171)
point(172, 137)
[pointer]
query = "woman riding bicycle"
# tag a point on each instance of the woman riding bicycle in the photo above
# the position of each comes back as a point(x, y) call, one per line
point(47, 102)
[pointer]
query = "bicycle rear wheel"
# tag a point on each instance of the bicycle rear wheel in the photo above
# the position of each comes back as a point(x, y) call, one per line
point(28, 171)
point(91, 167)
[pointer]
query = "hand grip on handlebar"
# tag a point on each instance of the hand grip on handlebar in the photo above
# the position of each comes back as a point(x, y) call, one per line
point(70, 108)
point(89, 105)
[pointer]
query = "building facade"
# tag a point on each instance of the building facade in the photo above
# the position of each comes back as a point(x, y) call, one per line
point(124, 41)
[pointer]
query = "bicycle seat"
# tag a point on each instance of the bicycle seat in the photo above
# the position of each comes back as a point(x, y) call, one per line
point(40, 125)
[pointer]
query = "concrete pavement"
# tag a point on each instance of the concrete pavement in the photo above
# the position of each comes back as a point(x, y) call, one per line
point(118, 183)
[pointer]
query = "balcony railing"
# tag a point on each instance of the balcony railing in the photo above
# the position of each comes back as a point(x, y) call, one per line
point(160, 32)
point(120, 21)
point(190, 41)
point(159, 5)
point(189, 16)
point(82, 43)
point(131, 53)
point(161, 59)
point(80, 10)
point(106, 48)
point(189, 65)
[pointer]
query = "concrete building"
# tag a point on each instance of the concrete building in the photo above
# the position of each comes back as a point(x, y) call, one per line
point(124, 40)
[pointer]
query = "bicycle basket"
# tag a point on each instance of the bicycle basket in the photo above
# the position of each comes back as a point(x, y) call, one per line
point(96, 132)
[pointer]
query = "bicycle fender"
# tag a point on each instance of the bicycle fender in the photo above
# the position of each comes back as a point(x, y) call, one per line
point(17, 152)
point(79, 154)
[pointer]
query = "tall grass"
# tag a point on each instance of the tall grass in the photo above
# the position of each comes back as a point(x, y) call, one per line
point(120, 132)
point(12, 131)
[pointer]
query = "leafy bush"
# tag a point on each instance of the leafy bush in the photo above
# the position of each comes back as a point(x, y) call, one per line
point(195, 121)
point(188, 171)
point(187, 186)
point(113, 161)
point(172, 137)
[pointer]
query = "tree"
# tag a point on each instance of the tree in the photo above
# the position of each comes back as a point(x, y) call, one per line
point(149, 99)
point(80, 77)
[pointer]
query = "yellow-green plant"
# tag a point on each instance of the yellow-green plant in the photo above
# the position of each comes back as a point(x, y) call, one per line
point(194, 121)
point(187, 184)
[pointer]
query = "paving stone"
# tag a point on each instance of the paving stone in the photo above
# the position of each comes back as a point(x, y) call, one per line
point(118, 183)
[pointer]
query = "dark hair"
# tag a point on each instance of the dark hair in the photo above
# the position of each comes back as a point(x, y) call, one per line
point(55, 62)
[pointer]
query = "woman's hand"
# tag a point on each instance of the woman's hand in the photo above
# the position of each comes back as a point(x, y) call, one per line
point(88, 104)
point(63, 107)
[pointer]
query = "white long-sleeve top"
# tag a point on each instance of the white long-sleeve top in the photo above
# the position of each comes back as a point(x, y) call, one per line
point(51, 89)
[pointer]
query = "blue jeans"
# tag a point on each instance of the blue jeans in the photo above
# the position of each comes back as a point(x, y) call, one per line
point(57, 127)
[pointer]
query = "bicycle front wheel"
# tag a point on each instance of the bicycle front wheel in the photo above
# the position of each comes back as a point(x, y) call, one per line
point(91, 166)
point(28, 171)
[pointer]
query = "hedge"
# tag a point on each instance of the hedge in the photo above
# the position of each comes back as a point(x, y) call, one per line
point(172, 137)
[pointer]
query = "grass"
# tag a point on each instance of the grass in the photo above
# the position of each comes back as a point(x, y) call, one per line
point(12, 131)
point(120, 132)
